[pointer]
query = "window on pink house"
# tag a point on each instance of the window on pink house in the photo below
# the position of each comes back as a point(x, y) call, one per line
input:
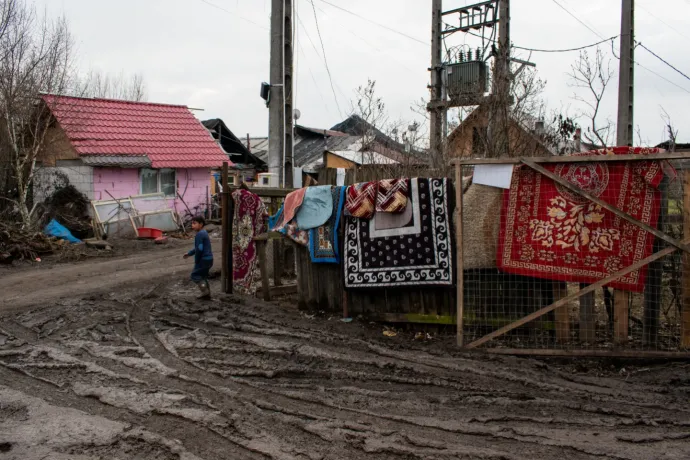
point(158, 181)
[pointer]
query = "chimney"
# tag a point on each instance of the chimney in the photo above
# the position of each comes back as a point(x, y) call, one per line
point(539, 127)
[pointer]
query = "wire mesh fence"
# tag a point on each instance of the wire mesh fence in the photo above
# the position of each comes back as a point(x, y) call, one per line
point(577, 256)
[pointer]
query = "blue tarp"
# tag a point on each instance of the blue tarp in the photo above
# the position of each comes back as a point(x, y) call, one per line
point(57, 230)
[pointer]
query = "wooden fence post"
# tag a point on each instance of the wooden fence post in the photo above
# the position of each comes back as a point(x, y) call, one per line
point(226, 226)
point(460, 307)
point(685, 315)
point(560, 290)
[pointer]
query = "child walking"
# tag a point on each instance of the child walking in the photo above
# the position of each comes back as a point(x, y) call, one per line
point(203, 257)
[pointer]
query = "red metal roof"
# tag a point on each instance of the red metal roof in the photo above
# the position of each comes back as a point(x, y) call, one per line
point(169, 135)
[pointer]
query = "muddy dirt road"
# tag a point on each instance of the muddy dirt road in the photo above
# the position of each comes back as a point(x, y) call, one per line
point(121, 366)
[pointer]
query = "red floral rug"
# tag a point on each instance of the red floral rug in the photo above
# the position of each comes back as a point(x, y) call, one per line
point(249, 220)
point(549, 232)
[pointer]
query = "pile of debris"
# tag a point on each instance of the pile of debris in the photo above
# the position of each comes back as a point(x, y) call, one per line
point(70, 207)
point(18, 244)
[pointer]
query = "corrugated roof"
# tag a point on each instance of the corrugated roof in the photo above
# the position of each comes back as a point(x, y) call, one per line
point(258, 146)
point(121, 161)
point(367, 157)
point(169, 135)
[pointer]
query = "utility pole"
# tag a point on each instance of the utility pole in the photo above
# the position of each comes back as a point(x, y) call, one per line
point(624, 136)
point(436, 105)
point(626, 75)
point(276, 120)
point(500, 100)
point(280, 114)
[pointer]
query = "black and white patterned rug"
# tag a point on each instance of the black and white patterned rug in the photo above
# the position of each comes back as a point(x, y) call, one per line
point(419, 253)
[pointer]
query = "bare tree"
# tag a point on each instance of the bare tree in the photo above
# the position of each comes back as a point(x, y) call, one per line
point(37, 59)
point(593, 75)
point(124, 87)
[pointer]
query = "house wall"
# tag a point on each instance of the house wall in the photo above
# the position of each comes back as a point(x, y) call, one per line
point(124, 182)
point(56, 147)
point(334, 161)
point(522, 143)
point(78, 175)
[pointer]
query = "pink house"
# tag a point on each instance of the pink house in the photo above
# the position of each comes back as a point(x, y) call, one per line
point(115, 149)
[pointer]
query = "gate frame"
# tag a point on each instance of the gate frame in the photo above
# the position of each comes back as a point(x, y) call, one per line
point(534, 163)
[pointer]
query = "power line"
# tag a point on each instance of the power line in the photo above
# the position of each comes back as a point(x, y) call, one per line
point(233, 13)
point(578, 19)
point(537, 50)
point(316, 85)
point(636, 63)
point(325, 59)
point(376, 23)
point(662, 21)
point(663, 60)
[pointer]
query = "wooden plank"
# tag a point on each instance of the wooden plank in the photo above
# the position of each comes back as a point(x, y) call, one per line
point(225, 275)
point(413, 318)
point(685, 314)
point(677, 155)
point(460, 300)
point(621, 302)
point(605, 205)
point(635, 354)
point(283, 290)
point(278, 262)
point(591, 288)
point(265, 192)
point(560, 290)
point(263, 267)
point(587, 331)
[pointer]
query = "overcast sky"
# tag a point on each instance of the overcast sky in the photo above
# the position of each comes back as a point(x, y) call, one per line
point(215, 58)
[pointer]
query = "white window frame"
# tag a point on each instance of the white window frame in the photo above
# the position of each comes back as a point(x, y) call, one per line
point(158, 180)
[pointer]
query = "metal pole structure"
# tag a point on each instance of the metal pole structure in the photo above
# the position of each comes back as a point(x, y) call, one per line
point(437, 111)
point(288, 113)
point(276, 107)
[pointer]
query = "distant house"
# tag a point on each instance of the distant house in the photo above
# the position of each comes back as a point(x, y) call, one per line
point(348, 144)
point(236, 149)
point(115, 149)
point(528, 137)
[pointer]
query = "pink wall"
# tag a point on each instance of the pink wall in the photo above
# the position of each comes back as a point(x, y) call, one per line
point(122, 183)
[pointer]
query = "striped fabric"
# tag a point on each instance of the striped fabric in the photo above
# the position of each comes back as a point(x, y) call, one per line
point(361, 200)
point(391, 195)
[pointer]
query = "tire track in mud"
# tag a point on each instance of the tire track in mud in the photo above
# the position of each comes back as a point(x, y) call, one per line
point(141, 400)
point(286, 402)
point(473, 432)
point(282, 387)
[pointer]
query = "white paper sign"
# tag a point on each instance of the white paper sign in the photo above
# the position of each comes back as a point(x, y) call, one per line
point(340, 177)
point(493, 175)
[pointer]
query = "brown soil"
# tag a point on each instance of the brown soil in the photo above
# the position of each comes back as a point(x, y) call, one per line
point(114, 358)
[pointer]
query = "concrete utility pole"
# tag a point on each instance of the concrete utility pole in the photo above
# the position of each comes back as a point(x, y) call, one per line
point(276, 121)
point(626, 76)
point(436, 103)
point(624, 136)
point(280, 114)
point(500, 98)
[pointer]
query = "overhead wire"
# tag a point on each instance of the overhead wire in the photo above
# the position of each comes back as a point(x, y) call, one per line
point(578, 19)
point(637, 4)
point(403, 34)
point(325, 58)
point(234, 13)
point(662, 60)
point(540, 50)
point(634, 62)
